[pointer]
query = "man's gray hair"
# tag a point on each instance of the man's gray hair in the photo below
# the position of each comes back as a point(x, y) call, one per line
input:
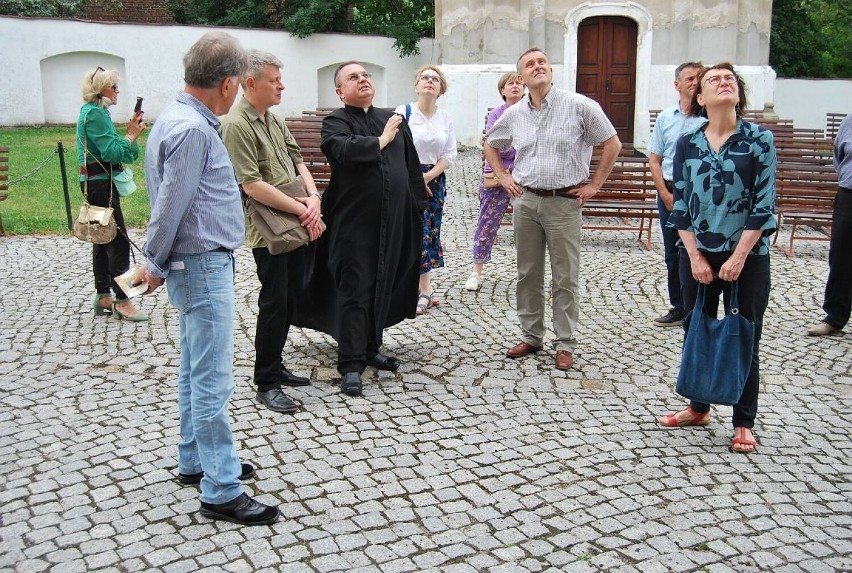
point(685, 65)
point(213, 58)
point(257, 61)
point(530, 51)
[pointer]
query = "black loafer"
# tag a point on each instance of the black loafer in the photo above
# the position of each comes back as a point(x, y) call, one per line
point(351, 384)
point(382, 362)
point(195, 479)
point(290, 379)
point(277, 401)
point(243, 510)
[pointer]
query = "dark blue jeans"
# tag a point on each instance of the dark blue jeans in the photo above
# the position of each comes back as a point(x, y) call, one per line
point(753, 295)
point(670, 250)
point(838, 289)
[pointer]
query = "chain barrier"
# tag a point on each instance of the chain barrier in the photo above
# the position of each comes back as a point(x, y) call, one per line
point(36, 170)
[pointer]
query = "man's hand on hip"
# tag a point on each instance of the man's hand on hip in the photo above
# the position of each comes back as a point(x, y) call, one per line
point(585, 193)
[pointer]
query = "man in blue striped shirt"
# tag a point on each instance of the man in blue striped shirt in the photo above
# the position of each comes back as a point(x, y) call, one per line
point(672, 122)
point(196, 223)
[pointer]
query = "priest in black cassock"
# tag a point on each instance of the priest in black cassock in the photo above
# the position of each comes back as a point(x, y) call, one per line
point(372, 246)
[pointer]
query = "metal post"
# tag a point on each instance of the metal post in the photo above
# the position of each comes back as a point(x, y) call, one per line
point(61, 151)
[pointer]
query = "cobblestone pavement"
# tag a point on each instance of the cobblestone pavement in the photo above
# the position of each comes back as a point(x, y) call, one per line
point(462, 461)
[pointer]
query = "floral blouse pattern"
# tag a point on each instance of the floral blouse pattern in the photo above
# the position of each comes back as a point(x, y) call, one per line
point(717, 196)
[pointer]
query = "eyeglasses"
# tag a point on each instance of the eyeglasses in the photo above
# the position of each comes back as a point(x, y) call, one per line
point(430, 78)
point(716, 81)
point(356, 77)
point(99, 69)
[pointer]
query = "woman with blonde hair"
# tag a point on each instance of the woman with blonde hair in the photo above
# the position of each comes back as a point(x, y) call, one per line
point(435, 141)
point(101, 153)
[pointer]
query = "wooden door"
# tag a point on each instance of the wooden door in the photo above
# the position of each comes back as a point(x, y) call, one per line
point(606, 68)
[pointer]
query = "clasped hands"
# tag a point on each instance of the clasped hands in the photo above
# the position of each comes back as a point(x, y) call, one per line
point(703, 272)
point(312, 217)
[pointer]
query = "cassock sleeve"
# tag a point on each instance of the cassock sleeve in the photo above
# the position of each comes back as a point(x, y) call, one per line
point(416, 183)
point(341, 145)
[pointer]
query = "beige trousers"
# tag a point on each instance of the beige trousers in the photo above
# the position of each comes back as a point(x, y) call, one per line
point(552, 223)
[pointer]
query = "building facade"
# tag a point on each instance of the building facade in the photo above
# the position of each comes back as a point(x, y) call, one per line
point(621, 53)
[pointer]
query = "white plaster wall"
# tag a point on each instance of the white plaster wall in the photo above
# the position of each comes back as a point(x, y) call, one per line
point(807, 101)
point(45, 59)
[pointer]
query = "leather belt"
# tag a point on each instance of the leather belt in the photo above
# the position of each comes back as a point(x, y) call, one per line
point(221, 250)
point(561, 192)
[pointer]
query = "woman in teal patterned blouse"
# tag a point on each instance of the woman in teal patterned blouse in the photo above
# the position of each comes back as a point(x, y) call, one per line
point(724, 211)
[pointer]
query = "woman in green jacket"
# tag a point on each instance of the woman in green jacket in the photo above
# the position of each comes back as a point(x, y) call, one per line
point(105, 152)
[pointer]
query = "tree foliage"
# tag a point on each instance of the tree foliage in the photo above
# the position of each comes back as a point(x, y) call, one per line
point(406, 21)
point(811, 38)
point(41, 8)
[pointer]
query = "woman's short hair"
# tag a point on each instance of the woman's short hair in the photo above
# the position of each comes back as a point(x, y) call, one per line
point(696, 109)
point(94, 83)
point(256, 61)
point(214, 57)
point(438, 71)
point(505, 79)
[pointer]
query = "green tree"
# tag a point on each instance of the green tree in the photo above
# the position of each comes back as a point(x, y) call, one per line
point(41, 8)
point(406, 21)
point(811, 38)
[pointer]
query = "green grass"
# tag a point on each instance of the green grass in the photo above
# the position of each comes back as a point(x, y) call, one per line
point(37, 204)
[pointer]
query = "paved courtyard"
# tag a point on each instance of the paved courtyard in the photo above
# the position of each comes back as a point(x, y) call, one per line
point(462, 461)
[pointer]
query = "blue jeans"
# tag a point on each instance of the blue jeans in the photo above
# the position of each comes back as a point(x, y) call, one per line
point(670, 250)
point(201, 287)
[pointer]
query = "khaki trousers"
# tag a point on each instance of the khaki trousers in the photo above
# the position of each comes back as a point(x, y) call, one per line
point(553, 223)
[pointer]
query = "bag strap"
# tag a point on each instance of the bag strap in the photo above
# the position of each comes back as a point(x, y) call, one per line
point(735, 304)
point(85, 190)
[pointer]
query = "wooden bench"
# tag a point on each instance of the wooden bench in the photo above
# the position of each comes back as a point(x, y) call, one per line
point(629, 195)
point(4, 180)
point(307, 130)
point(832, 124)
point(804, 197)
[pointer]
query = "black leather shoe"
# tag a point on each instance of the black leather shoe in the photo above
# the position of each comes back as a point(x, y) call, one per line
point(243, 510)
point(380, 361)
point(195, 479)
point(277, 401)
point(351, 384)
point(290, 379)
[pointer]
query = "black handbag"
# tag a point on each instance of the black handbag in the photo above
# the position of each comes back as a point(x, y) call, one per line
point(716, 357)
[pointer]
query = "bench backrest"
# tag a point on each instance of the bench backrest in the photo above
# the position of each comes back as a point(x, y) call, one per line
point(4, 171)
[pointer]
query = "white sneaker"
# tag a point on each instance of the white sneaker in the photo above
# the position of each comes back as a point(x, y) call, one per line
point(473, 282)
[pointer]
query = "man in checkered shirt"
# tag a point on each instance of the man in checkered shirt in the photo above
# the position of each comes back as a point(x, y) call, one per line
point(553, 132)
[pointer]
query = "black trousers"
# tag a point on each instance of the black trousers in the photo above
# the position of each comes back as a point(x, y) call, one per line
point(356, 290)
point(753, 296)
point(113, 258)
point(837, 303)
point(280, 287)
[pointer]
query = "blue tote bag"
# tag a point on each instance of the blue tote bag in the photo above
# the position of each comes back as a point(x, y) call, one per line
point(716, 354)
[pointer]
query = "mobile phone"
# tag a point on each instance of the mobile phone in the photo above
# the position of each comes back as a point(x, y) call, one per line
point(138, 107)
